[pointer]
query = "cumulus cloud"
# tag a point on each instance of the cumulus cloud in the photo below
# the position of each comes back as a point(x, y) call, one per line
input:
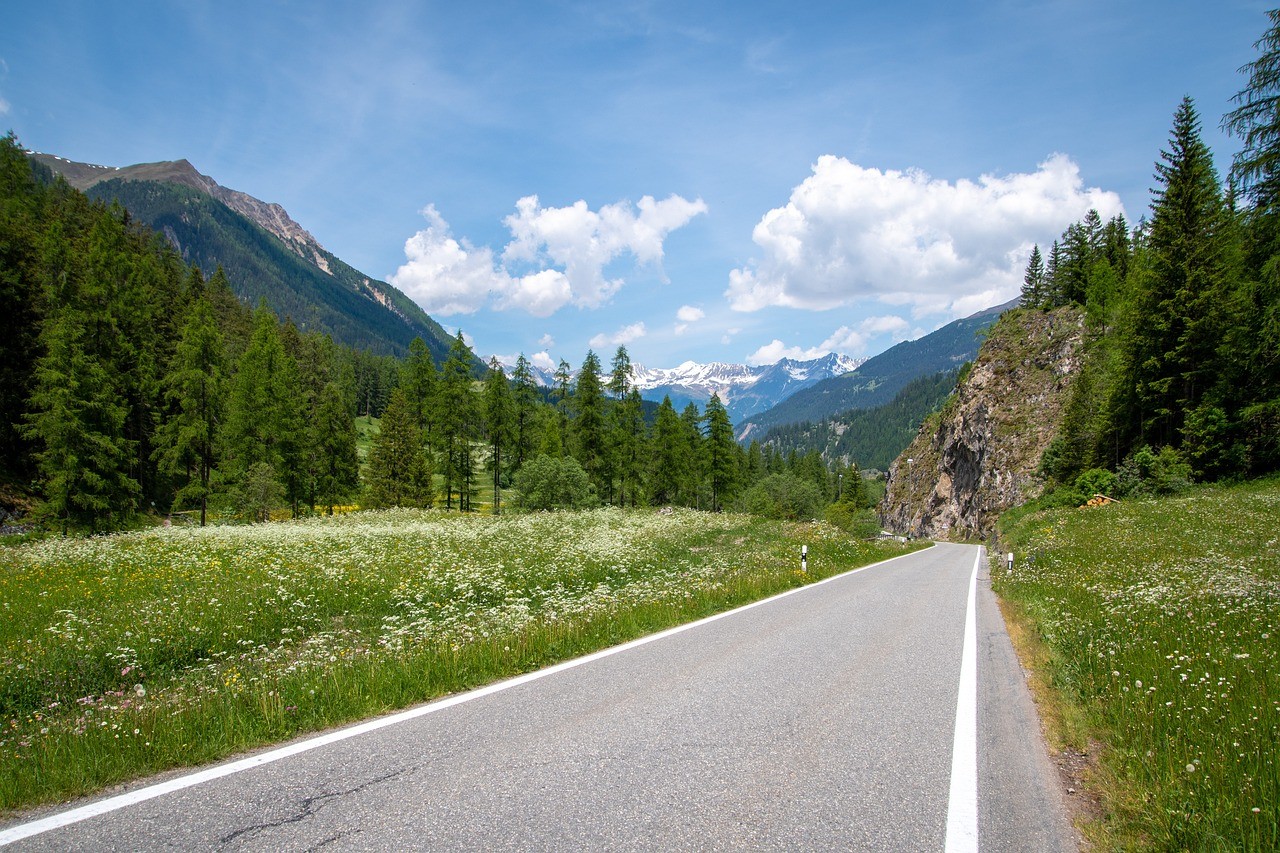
point(622, 337)
point(850, 234)
point(446, 276)
point(846, 340)
point(544, 360)
point(583, 242)
point(687, 315)
point(546, 341)
point(564, 249)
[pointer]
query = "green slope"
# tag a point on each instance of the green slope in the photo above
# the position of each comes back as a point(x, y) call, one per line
point(343, 303)
point(879, 379)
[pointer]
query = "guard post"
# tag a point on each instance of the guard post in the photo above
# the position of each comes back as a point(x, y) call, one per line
point(804, 558)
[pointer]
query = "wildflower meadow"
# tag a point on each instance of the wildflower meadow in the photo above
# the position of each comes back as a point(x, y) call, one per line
point(128, 654)
point(1162, 620)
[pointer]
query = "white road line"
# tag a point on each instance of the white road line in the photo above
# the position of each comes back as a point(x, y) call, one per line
point(962, 804)
point(36, 827)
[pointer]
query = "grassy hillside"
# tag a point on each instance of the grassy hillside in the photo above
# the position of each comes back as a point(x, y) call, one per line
point(341, 303)
point(1160, 628)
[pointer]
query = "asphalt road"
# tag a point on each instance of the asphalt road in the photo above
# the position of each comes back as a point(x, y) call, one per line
point(822, 720)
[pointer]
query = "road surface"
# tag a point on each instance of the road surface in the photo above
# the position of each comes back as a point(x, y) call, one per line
point(842, 716)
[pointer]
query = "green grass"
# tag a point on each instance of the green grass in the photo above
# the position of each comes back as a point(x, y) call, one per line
point(126, 655)
point(1162, 624)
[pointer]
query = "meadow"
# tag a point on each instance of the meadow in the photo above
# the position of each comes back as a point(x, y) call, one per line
point(1162, 625)
point(130, 654)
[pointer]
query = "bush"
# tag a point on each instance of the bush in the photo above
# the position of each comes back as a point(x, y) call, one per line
point(1145, 473)
point(783, 496)
point(1096, 481)
point(550, 483)
point(858, 522)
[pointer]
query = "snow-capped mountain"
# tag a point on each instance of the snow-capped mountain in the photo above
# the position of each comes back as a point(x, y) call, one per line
point(744, 390)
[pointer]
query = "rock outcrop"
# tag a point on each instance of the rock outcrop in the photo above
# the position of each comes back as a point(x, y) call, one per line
point(979, 454)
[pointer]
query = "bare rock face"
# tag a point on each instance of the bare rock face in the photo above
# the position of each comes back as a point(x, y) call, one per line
point(979, 455)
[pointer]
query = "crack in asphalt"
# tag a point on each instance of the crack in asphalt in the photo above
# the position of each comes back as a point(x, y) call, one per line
point(310, 806)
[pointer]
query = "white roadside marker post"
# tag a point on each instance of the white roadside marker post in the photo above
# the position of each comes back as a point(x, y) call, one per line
point(804, 558)
point(1009, 562)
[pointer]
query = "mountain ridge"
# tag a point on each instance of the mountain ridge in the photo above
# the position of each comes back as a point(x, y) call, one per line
point(879, 378)
point(284, 263)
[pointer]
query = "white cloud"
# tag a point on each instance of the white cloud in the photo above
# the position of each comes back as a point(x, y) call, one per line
point(4, 107)
point(850, 234)
point(446, 276)
point(846, 340)
point(546, 341)
point(568, 249)
point(583, 242)
point(543, 360)
point(625, 335)
point(687, 315)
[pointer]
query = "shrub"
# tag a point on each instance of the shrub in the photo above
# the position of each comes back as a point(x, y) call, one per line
point(1146, 472)
point(782, 496)
point(1096, 481)
point(550, 483)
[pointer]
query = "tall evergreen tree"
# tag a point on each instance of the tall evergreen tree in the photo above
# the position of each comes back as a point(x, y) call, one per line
point(455, 422)
point(590, 445)
point(398, 471)
point(418, 379)
point(499, 417)
point(667, 457)
point(195, 388)
point(525, 402)
point(1182, 293)
point(334, 438)
point(1033, 280)
point(1256, 121)
point(722, 452)
point(77, 414)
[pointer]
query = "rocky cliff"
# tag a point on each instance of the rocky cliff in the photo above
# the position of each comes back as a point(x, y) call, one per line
point(979, 454)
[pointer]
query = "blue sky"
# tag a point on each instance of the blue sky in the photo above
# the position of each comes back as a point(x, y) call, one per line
point(708, 181)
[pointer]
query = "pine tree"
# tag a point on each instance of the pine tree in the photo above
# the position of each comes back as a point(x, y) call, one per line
point(76, 414)
point(418, 379)
point(590, 446)
point(525, 400)
point(722, 452)
point(499, 417)
point(260, 434)
point(1033, 280)
point(695, 456)
point(1181, 295)
point(334, 437)
point(398, 470)
point(455, 422)
point(667, 455)
point(1256, 121)
point(195, 388)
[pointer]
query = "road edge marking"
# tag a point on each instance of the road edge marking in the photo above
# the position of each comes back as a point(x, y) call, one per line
point(20, 831)
point(962, 802)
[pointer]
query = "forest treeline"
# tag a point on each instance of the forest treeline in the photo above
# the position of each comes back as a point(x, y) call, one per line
point(1180, 376)
point(131, 383)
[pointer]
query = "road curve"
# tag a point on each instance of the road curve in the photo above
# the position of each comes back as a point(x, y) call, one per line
point(823, 719)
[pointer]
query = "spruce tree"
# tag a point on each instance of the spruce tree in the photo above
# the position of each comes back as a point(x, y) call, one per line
point(195, 387)
point(77, 415)
point(499, 417)
point(455, 422)
point(334, 438)
point(667, 455)
point(1181, 295)
point(590, 445)
point(1256, 121)
point(525, 402)
point(1033, 280)
point(722, 452)
point(398, 470)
